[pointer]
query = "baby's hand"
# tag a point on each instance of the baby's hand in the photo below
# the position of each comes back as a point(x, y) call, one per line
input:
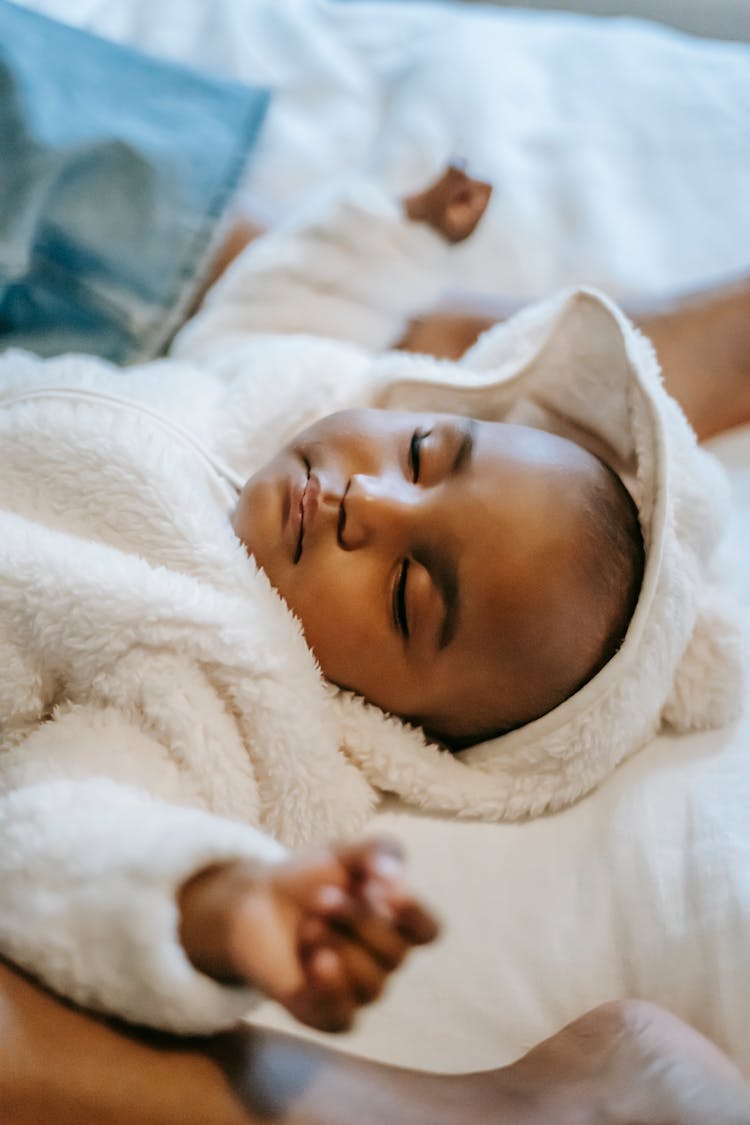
point(319, 933)
point(452, 206)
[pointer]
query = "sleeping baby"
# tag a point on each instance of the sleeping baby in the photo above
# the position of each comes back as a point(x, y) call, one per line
point(466, 576)
point(477, 585)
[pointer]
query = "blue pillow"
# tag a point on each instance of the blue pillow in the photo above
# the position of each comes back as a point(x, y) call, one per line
point(115, 168)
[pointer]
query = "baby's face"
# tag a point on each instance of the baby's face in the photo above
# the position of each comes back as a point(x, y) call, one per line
point(431, 561)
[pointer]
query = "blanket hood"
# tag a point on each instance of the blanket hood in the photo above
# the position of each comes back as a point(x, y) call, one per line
point(201, 648)
point(576, 365)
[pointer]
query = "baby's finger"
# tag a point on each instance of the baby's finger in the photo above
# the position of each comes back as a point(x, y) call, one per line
point(388, 937)
point(415, 923)
point(380, 857)
point(376, 876)
point(324, 880)
point(380, 938)
point(330, 1000)
point(367, 975)
point(313, 933)
point(312, 875)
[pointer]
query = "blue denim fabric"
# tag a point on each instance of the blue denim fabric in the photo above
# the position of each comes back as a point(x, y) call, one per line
point(114, 171)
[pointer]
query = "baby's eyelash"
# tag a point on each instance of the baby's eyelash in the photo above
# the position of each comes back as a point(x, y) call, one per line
point(415, 446)
point(400, 617)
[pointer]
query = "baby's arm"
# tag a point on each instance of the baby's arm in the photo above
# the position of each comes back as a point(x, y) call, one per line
point(352, 264)
point(106, 891)
point(90, 869)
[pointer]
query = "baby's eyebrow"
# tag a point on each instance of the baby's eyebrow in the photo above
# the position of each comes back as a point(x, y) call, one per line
point(443, 568)
point(443, 573)
point(465, 448)
point(446, 580)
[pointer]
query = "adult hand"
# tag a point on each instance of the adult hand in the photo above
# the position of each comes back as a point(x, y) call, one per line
point(625, 1062)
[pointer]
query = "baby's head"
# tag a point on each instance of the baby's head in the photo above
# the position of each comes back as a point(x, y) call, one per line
point(467, 576)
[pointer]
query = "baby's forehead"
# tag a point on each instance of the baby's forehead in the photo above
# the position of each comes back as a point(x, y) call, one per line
point(520, 554)
point(515, 573)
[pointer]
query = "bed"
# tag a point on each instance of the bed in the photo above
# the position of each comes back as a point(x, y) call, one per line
point(620, 154)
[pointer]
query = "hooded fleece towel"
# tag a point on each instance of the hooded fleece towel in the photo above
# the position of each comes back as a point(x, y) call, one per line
point(159, 706)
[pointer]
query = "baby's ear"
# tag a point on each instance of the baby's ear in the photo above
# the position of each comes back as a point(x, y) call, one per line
point(708, 686)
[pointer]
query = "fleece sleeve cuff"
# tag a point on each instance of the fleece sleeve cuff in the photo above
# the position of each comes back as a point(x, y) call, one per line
point(89, 875)
point(348, 265)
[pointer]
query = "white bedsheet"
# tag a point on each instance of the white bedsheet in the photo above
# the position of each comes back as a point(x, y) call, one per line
point(621, 156)
point(618, 149)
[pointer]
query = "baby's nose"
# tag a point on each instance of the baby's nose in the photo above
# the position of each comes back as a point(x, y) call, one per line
point(376, 509)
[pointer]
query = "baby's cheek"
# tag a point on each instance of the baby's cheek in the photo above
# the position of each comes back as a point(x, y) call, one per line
point(251, 520)
point(340, 635)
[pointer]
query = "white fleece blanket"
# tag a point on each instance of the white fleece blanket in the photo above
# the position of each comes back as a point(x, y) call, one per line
point(148, 665)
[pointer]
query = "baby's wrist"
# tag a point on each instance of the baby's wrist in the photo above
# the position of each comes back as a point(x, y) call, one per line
point(208, 903)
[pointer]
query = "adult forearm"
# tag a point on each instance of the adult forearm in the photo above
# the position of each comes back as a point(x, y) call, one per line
point(61, 1065)
point(620, 1063)
point(702, 341)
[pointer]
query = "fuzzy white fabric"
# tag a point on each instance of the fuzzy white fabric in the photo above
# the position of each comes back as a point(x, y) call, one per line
point(572, 364)
point(149, 666)
point(576, 364)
